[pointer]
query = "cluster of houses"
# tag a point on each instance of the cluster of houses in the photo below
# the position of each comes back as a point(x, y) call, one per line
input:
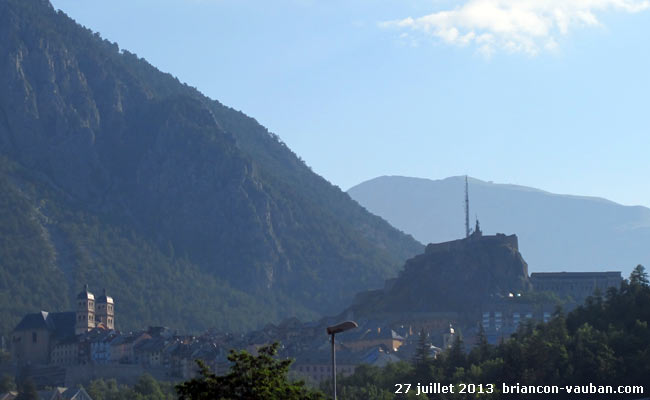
point(69, 348)
point(59, 393)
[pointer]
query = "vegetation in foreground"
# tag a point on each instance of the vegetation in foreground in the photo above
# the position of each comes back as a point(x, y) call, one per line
point(260, 377)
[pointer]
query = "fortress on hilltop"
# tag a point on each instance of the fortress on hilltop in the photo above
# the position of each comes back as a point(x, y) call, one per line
point(476, 280)
point(476, 236)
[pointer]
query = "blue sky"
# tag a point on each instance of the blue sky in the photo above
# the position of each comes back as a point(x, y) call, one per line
point(544, 93)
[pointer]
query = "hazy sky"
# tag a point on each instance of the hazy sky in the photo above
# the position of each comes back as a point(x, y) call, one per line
point(553, 94)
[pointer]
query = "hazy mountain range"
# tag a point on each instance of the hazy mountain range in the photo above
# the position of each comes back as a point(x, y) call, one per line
point(556, 232)
point(190, 213)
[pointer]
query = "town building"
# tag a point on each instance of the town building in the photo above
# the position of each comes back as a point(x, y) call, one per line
point(36, 335)
point(45, 338)
point(577, 285)
point(501, 318)
point(91, 313)
point(376, 336)
point(59, 393)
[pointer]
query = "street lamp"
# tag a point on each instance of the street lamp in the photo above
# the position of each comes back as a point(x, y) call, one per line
point(333, 330)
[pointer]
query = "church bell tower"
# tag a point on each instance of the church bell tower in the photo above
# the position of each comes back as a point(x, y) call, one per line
point(85, 314)
point(105, 311)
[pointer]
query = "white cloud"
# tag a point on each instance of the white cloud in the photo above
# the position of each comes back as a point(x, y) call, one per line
point(526, 26)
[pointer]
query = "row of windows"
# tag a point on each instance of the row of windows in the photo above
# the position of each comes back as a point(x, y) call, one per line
point(91, 306)
point(64, 361)
point(499, 315)
point(564, 287)
point(90, 317)
point(323, 368)
point(108, 321)
point(64, 352)
point(497, 319)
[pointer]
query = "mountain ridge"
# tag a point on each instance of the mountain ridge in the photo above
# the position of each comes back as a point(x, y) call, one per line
point(522, 188)
point(146, 177)
point(556, 231)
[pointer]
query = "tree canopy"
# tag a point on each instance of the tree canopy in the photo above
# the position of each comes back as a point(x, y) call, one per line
point(260, 377)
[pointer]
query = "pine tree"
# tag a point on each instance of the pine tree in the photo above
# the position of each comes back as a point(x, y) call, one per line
point(639, 276)
point(455, 356)
point(260, 377)
point(482, 349)
point(422, 354)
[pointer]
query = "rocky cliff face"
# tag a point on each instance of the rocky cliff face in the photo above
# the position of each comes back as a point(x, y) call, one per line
point(116, 145)
point(453, 276)
point(121, 143)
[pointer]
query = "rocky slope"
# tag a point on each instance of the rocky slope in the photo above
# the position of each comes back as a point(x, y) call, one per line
point(454, 276)
point(152, 188)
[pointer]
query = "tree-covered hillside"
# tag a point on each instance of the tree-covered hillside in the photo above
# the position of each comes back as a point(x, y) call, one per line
point(190, 213)
point(48, 251)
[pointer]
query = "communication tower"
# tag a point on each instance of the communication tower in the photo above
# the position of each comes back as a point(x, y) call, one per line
point(466, 208)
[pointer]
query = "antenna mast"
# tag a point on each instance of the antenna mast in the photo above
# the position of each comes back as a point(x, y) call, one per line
point(466, 209)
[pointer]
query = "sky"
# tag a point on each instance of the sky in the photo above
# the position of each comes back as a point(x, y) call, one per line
point(553, 94)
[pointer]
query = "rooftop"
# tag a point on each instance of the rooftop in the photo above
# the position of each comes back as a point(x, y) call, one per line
point(576, 275)
point(60, 323)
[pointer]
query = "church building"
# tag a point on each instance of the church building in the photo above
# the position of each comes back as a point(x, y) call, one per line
point(93, 313)
point(37, 334)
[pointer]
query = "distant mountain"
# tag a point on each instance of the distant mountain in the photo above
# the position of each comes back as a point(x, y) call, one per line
point(191, 214)
point(556, 232)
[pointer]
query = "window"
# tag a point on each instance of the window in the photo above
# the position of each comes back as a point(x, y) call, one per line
point(34, 337)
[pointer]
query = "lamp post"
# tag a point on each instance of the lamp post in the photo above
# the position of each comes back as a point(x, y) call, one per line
point(333, 330)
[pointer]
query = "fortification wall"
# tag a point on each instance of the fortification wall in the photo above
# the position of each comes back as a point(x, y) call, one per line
point(444, 246)
point(458, 244)
point(578, 285)
point(500, 238)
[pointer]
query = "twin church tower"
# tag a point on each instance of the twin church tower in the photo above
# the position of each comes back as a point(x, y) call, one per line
point(93, 313)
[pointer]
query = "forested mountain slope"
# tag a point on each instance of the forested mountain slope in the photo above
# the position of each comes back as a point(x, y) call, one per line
point(190, 213)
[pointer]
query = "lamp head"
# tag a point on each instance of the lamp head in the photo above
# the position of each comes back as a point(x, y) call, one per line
point(342, 327)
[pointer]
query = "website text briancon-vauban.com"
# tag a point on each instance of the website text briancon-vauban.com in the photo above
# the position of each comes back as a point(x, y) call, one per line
point(470, 388)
